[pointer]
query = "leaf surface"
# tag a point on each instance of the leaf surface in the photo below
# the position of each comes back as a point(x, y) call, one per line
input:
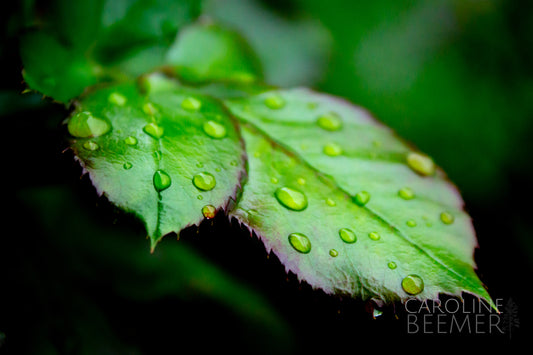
point(377, 216)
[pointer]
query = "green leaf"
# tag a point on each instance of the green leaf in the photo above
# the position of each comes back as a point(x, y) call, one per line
point(164, 154)
point(346, 205)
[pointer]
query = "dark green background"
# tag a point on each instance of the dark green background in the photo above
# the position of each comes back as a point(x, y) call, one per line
point(453, 77)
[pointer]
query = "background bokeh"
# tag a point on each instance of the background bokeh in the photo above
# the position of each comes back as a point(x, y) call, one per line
point(453, 77)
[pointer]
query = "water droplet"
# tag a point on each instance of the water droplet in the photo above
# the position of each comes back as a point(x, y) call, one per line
point(158, 155)
point(334, 253)
point(153, 130)
point(130, 140)
point(127, 165)
point(162, 180)
point(413, 284)
point(274, 180)
point(347, 235)
point(300, 181)
point(300, 242)
point(200, 197)
point(411, 223)
point(217, 169)
point(90, 145)
point(214, 129)
point(374, 236)
point(274, 102)
point(406, 193)
point(392, 265)
point(191, 104)
point(329, 121)
point(204, 181)
point(117, 99)
point(290, 198)
point(199, 165)
point(361, 198)
point(376, 313)
point(422, 164)
point(330, 202)
point(312, 105)
point(209, 211)
point(85, 125)
point(149, 109)
point(233, 163)
point(332, 149)
point(447, 218)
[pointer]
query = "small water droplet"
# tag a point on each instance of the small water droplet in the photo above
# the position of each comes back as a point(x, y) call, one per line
point(233, 163)
point(411, 223)
point(274, 180)
point(300, 181)
point(330, 202)
point(217, 169)
point(149, 109)
point(90, 145)
point(374, 236)
point(214, 129)
point(130, 140)
point(153, 130)
point(333, 253)
point(406, 193)
point(158, 155)
point(392, 265)
point(329, 121)
point(332, 149)
point(191, 104)
point(291, 198)
point(312, 105)
point(300, 242)
point(209, 211)
point(361, 198)
point(421, 164)
point(204, 181)
point(413, 284)
point(161, 180)
point(127, 165)
point(85, 125)
point(199, 165)
point(447, 218)
point(200, 197)
point(117, 99)
point(347, 235)
point(376, 313)
point(274, 102)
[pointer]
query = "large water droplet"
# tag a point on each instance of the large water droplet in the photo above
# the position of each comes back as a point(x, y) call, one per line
point(422, 164)
point(406, 193)
point(209, 211)
point(300, 242)
point(447, 218)
point(162, 180)
point(413, 284)
point(332, 149)
point(85, 125)
point(374, 236)
point(329, 121)
point(274, 102)
point(153, 130)
point(204, 181)
point(191, 104)
point(90, 145)
point(333, 253)
point(214, 129)
point(290, 198)
point(117, 99)
point(131, 140)
point(347, 235)
point(361, 198)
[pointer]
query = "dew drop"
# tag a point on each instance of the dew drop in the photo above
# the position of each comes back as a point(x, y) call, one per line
point(274, 180)
point(274, 102)
point(361, 198)
point(158, 155)
point(411, 223)
point(130, 140)
point(117, 99)
point(333, 253)
point(204, 181)
point(153, 130)
point(300, 242)
point(374, 236)
point(291, 199)
point(300, 181)
point(85, 125)
point(329, 121)
point(209, 211)
point(332, 149)
point(421, 164)
point(406, 193)
point(330, 202)
point(392, 265)
point(90, 145)
point(161, 180)
point(214, 129)
point(199, 165)
point(191, 104)
point(347, 235)
point(127, 166)
point(200, 197)
point(149, 109)
point(447, 218)
point(233, 163)
point(413, 284)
